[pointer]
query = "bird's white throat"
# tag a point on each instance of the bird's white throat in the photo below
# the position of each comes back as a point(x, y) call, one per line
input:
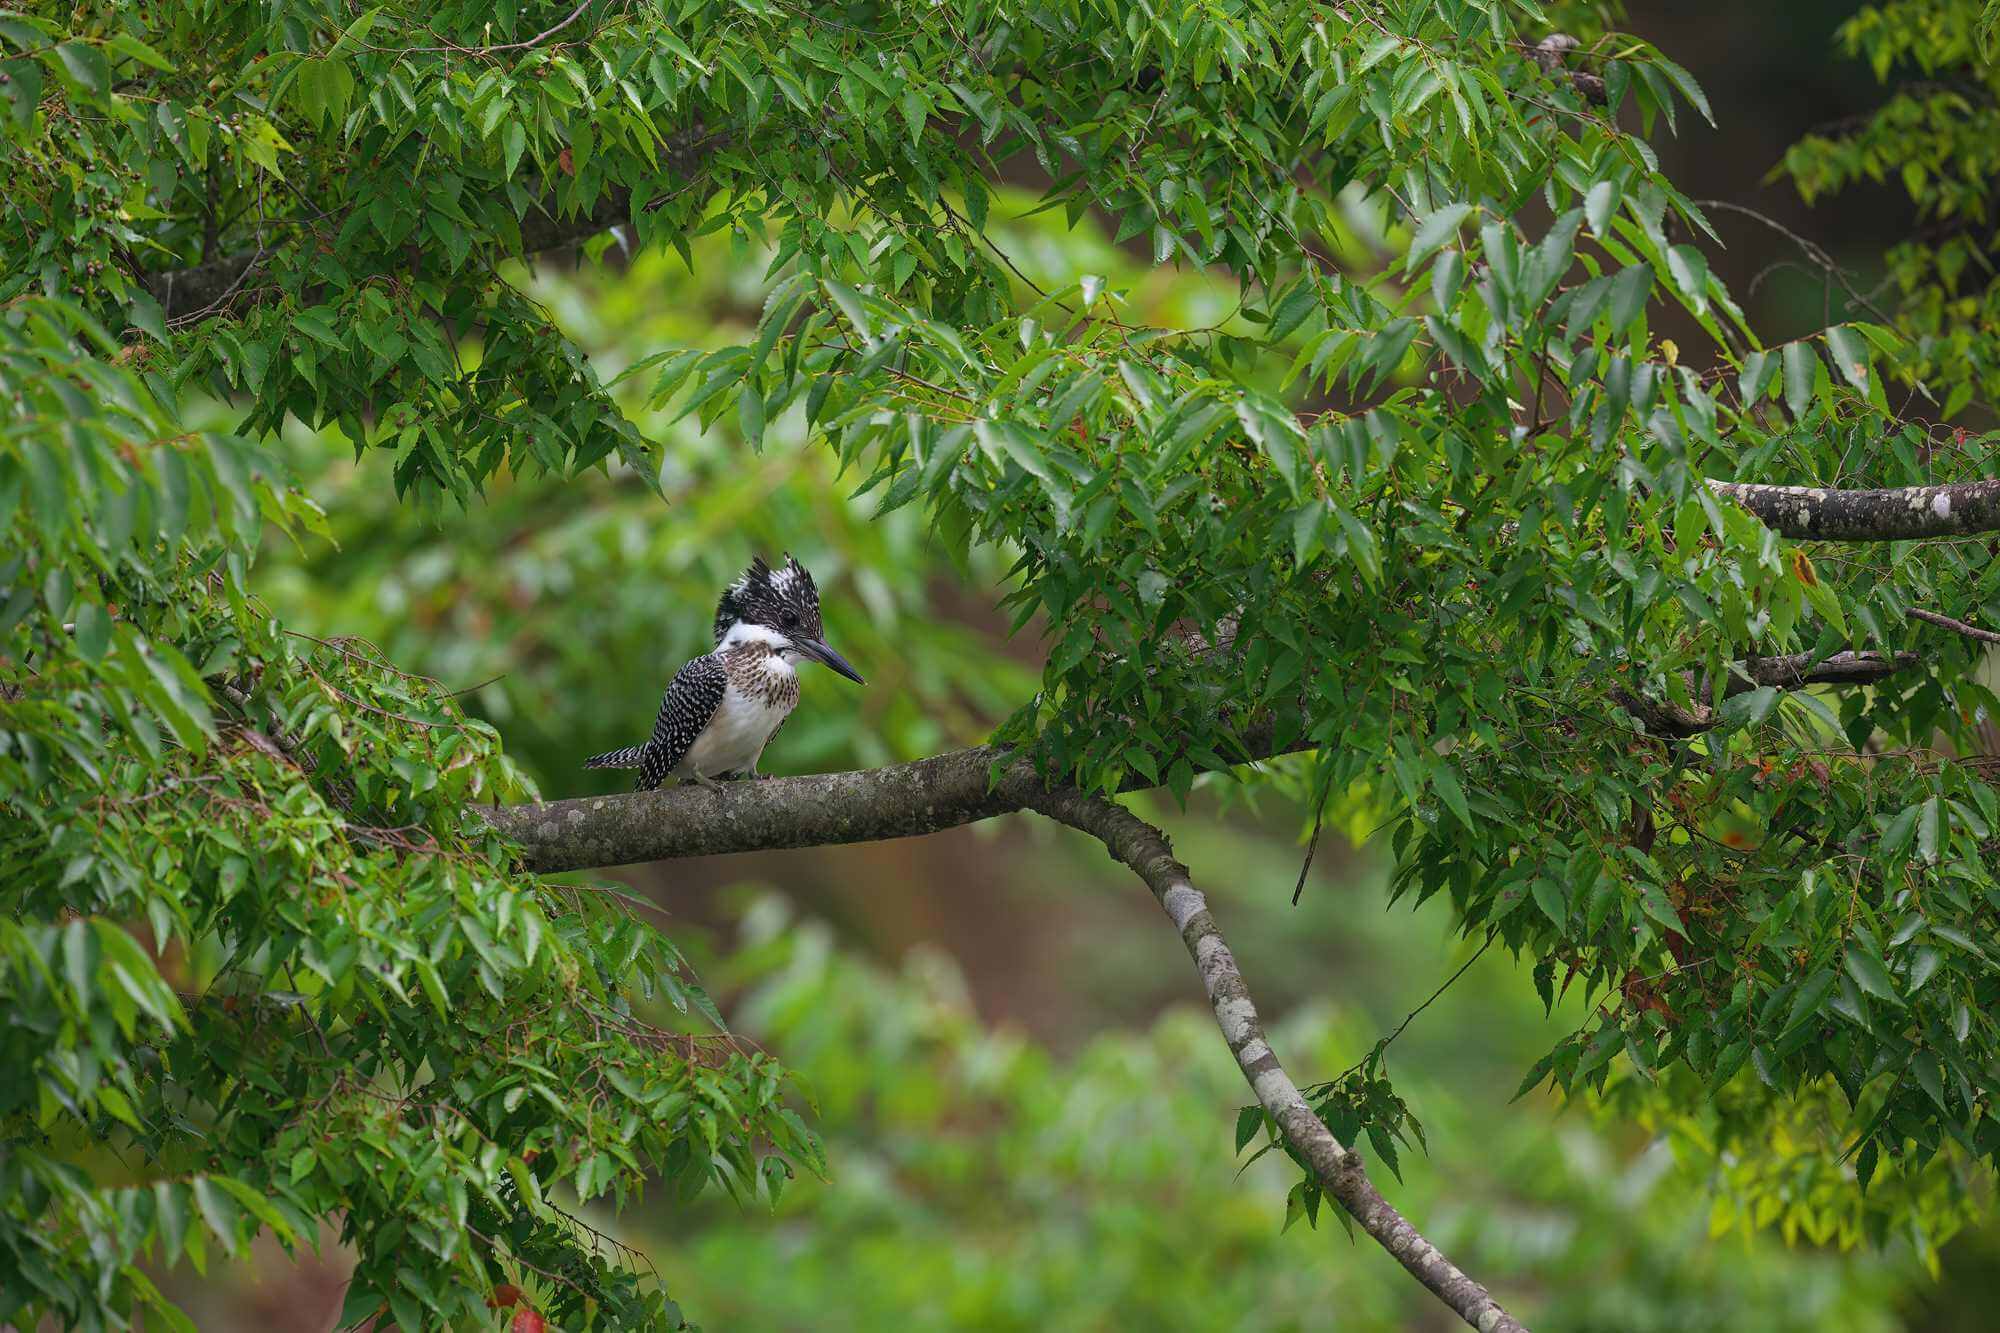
point(743, 634)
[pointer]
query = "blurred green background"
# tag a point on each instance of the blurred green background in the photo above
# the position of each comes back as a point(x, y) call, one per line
point(1029, 1116)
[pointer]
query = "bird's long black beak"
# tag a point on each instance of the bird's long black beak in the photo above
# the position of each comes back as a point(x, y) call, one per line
point(819, 652)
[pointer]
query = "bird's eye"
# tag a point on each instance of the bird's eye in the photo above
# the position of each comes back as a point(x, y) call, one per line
point(790, 620)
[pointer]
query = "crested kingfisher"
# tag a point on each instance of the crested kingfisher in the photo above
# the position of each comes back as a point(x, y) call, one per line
point(723, 708)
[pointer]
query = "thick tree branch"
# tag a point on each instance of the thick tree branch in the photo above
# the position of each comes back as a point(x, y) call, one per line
point(819, 810)
point(897, 801)
point(930, 795)
point(1787, 672)
point(1899, 514)
point(1793, 670)
point(1337, 1168)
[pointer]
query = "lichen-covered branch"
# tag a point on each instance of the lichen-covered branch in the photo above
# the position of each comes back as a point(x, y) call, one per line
point(930, 795)
point(896, 801)
point(1897, 514)
point(822, 809)
point(1337, 1168)
point(1790, 671)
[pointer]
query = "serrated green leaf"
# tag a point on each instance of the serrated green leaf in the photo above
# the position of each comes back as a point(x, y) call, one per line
point(1799, 368)
point(1432, 234)
point(1870, 975)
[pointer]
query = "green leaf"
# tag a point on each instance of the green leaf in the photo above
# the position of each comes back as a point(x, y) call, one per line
point(513, 143)
point(1750, 708)
point(1605, 1043)
point(1308, 527)
point(1929, 817)
point(1869, 974)
point(1275, 436)
point(1850, 355)
point(87, 65)
point(1533, 1077)
point(1924, 1064)
point(1361, 547)
point(1630, 291)
point(93, 631)
point(355, 34)
point(1805, 1004)
point(750, 413)
point(1653, 902)
point(1295, 1206)
point(1689, 88)
point(850, 305)
point(1799, 368)
point(1446, 784)
point(125, 44)
point(1432, 234)
point(146, 316)
point(1923, 967)
point(1599, 204)
point(1897, 835)
point(1759, 369)
point(1549, 897)
point(218, 1209)
point(1249, 1121)
point(1689, 269)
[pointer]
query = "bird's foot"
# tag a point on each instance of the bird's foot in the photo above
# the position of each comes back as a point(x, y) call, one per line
point(704, 781)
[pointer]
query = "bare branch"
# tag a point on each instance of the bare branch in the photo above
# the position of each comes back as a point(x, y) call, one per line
point(947, 790)
point(1788, 672)
point(819, 810)
point(898, 801)
point(1792, 671)
point(1955, 626)
point(1898, 514)
point(1337, 1168)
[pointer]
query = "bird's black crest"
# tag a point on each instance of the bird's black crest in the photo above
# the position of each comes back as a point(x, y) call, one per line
point(773, 597)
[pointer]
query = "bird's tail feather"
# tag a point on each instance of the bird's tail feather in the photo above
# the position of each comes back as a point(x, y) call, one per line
point(632, 756)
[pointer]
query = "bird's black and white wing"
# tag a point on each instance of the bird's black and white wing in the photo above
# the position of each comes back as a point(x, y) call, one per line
point(689, 705)
point(686, 709)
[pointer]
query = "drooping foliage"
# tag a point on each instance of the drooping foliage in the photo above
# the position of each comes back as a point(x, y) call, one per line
point(1430, 492)
point(257, 974)
point(1932, 136)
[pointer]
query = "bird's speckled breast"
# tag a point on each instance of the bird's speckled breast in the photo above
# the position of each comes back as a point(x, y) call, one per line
point(754, 670)
point(763, 689)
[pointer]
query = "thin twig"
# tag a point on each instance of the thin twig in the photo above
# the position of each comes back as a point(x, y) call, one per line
point(1312, 846)
point(1383, 1044)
